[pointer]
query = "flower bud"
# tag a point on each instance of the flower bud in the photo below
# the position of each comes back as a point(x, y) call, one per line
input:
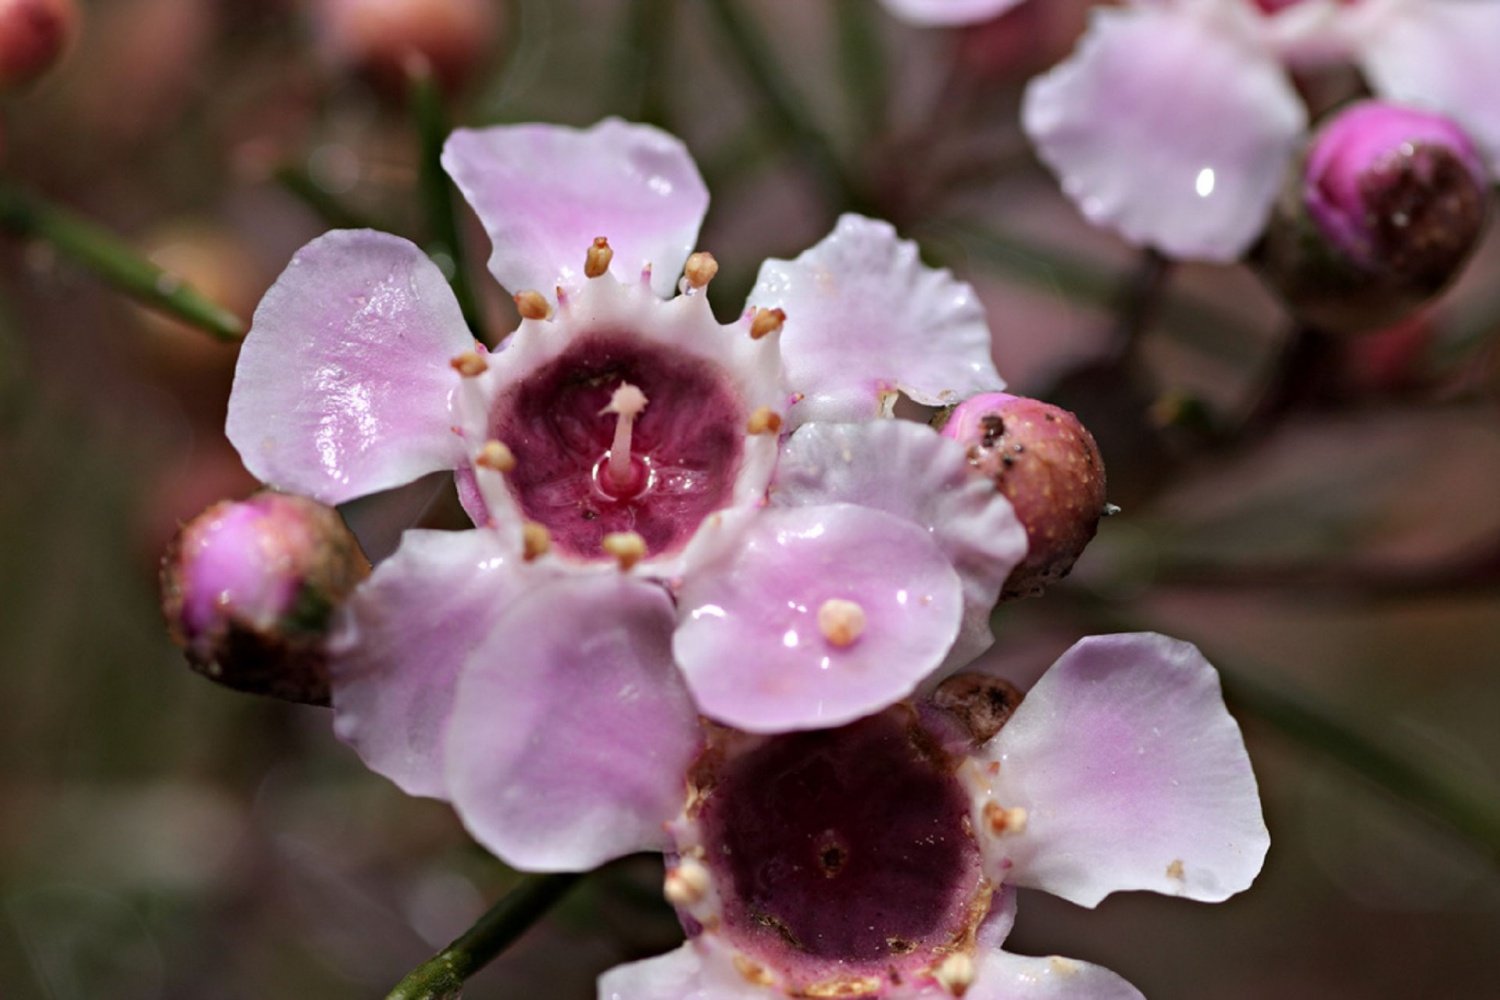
point(249, 588)
point(1385, 208)
point(33, 36)
point(1048, 466)
point(380, 38)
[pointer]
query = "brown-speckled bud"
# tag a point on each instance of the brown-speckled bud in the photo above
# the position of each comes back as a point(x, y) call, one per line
point(249, 588)
point(1048, 466)
point(379, 39)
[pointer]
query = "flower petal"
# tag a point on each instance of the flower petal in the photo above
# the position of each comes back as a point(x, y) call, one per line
point(678, 975)
point(1440, 54)
point(948, 12)
point(544, 192)
point(1134, 126)
point(999, 975)
point(401, 641)
point(1131, 774)
point(754, 640)
point(571, 732)
point(343, 382)
point(909, 470)
point(865, 317)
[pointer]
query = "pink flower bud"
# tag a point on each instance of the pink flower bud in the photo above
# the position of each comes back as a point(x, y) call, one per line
point(1048, 466)
point(33, 36)
point(249, 588)
point(1396, 189)
point(1385, 209)
point(380, 38)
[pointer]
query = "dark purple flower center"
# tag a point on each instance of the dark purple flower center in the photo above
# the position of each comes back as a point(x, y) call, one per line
point(685, 446)
point(845, 854)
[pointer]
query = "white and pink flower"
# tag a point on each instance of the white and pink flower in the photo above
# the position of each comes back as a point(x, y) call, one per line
point(1174, 121)
point(635, 563)
point(881, 859)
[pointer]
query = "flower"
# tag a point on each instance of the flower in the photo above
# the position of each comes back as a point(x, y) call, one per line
point(633, 564)
point(1175, 120)
point(249, 589)
point(948, 11)
point(880, 859)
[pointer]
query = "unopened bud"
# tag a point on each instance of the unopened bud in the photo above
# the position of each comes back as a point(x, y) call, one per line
point(34, 34)
point(1049, 468)
point(383, 40)
point(1384, 210)
point(249, 588)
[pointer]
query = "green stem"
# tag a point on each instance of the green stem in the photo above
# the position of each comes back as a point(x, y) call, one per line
point(785, 108)
point(445, 244)
point(442, 976)
point(862, 61)
point(643, 62)
point(1400, 770)
point(295, 179)
point(114, 261)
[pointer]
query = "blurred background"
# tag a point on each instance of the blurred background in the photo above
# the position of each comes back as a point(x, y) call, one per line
point(1322, 521)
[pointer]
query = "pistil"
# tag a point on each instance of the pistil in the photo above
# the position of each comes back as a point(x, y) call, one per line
point(627, 404)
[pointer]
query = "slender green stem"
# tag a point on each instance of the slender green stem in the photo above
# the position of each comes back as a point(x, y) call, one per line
point(643, 61)
point(862, 61)
point(295, 179)
point(114, 261)
point(442, 976)
point(445, 243)
point(1402, 771)
point(784, 107)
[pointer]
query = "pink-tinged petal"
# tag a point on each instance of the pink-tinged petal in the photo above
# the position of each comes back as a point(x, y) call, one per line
point(343, 383)
point(999, 975)
point(865, 318)
point(909, 470)
point(812, 616)
point(1134, 125)
point(571, 732)
point(1440, 55)
point(948, 12)
point(401, 641)
point(1122, 769)
point(545, 192)
point(683, 974)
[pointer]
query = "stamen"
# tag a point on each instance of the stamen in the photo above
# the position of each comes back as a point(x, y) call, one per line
point(532, 305)
point(1001, 820)
point(700, 269)
point(536, 540)
point(752, 972)
point(841, 621)
point(469, 364)
point(496, 455)
point(596, 262)
point(627, 547)
point(686, 885)
point(955, 973)
point(1175, 870)
point(766, 322)
point(627, 403)
point(764, 421)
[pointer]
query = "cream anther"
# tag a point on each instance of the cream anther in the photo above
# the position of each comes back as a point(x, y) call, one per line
point(532, 305)
point(627, 547)
point(687, 884)
point(764, 421)
point(596, 262)
point(496, 455)
point(766, 322)
point(536, 540)
point(469, 364)
point(627, 404)
point(841, 621)
point(955, 973)
point(700, 269)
